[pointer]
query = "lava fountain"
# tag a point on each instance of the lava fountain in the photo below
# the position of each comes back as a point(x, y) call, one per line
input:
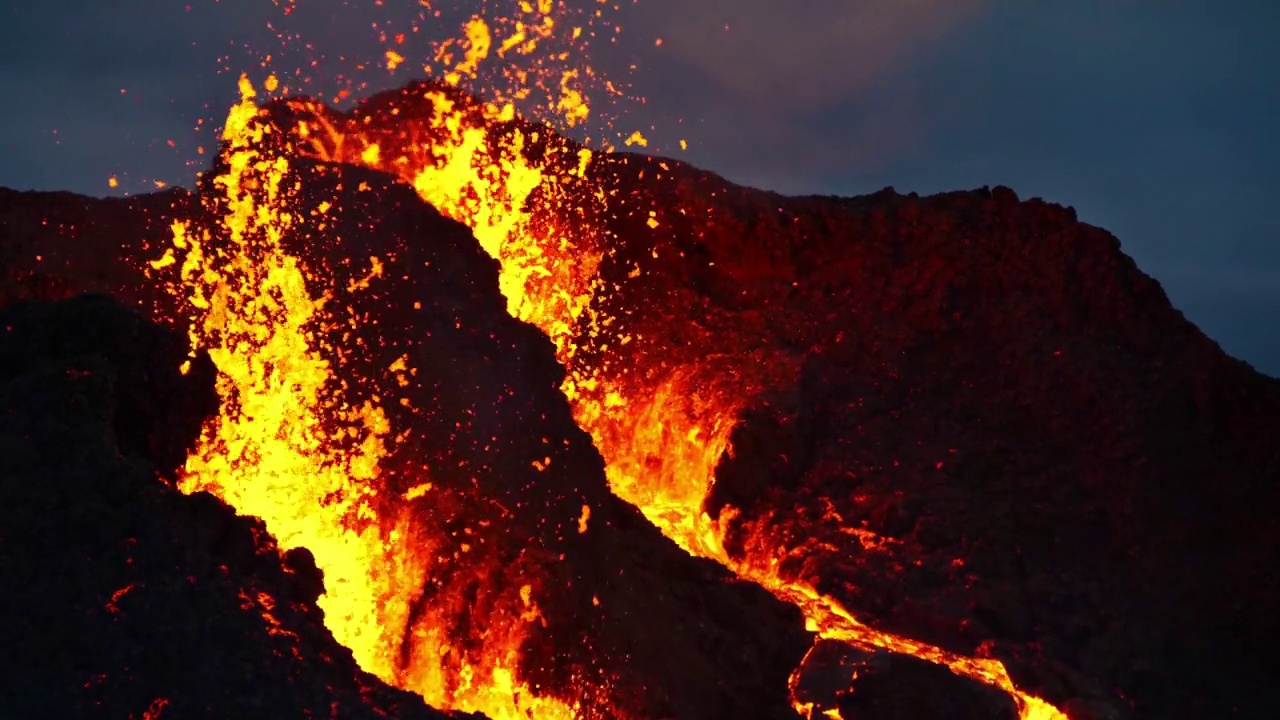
point(290, 449)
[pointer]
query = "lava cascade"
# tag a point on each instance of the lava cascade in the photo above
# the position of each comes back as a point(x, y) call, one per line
point(290, 450)
point(533, 200)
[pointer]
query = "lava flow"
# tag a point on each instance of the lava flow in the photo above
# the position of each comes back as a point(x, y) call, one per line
point(293, 449)
point(661, 430)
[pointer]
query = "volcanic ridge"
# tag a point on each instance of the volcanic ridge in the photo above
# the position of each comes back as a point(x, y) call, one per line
point(425, 406)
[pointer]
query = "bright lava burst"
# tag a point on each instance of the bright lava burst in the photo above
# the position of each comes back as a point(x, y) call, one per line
point(289, 450)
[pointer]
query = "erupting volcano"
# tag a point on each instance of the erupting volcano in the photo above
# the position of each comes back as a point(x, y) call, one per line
point(537, 429)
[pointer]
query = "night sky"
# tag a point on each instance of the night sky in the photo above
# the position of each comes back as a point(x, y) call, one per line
point(1154, 118)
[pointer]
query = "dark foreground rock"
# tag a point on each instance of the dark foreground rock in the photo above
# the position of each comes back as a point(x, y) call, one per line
point(891, 686)
point(122, 597)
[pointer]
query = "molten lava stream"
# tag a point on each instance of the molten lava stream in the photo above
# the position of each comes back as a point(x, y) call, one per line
point(830, 620)
point(674, 504)
point(661, 443)
point(289, 448)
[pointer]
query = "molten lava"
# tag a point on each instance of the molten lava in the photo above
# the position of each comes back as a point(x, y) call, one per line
point(662, 434)
point(291, 449)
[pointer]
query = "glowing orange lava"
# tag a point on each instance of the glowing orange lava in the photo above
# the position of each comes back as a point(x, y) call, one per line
point(289, 451)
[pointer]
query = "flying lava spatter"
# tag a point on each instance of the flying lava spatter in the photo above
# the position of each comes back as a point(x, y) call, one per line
point(288, 450)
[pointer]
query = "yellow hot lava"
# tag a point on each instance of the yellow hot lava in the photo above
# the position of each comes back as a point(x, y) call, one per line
point(456, 163)
point(289, 450)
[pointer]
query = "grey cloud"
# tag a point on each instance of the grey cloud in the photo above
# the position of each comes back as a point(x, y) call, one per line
point(782, 58)
point(775, 96)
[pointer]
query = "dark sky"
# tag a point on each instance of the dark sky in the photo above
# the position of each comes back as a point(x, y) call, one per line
point(1154, 118)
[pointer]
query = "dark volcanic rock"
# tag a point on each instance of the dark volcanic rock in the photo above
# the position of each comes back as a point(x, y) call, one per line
point(900, 687)
point(123, 597)
point(157, 411)
point(887, 686)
